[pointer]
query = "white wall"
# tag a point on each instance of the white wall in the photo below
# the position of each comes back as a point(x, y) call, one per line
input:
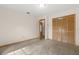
point(77, 27)
point(15, 27)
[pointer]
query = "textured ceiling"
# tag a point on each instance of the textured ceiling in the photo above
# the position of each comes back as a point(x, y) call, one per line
point(36, 10)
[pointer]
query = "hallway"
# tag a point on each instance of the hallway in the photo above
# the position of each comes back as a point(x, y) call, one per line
point(40, 47)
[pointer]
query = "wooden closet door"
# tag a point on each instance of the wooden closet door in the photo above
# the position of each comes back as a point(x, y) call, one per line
point(63, 29)
point(55, 29)
point(71, 29)
point(59, 30)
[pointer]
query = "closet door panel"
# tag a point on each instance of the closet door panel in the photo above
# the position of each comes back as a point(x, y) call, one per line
point(64, 30)
point(55, 35)
point(71, 34)
point(59, 30)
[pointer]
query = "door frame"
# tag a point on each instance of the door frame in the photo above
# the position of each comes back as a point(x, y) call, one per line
point(39, 28)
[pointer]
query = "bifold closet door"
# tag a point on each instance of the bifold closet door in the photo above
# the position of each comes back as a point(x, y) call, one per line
point(56, 29)
point(71, 29)
point(63, 29)
point(60, 29)
point(55, 26)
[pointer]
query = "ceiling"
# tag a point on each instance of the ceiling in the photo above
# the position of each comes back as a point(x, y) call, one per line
point(36, 10)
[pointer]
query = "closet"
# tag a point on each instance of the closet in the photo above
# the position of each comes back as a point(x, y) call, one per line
point(64, 29)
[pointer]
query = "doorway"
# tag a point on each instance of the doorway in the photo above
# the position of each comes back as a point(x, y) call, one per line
point(64, 29)
point(42, 29)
